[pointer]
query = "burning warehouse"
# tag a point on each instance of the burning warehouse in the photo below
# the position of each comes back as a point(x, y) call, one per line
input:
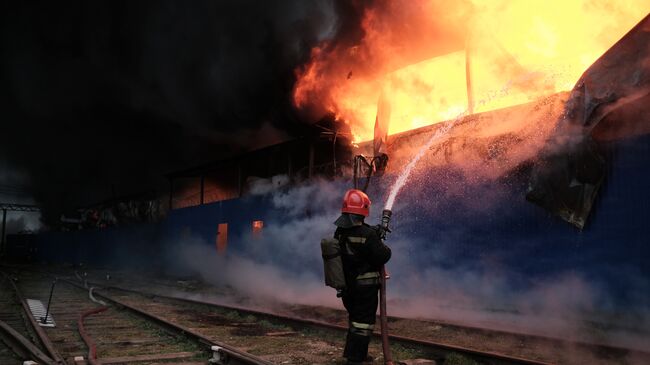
point(503, 156)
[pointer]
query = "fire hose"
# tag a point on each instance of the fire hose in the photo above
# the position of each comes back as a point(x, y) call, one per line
point(92, 347)
point(383, 316)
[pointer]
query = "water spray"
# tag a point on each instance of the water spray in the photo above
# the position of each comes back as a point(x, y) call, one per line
point(385, 220)
point(440, 132)
point(403, 177)
point(378, 164)
point(383, 228)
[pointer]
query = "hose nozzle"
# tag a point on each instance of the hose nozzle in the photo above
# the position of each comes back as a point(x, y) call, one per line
point(385, 219)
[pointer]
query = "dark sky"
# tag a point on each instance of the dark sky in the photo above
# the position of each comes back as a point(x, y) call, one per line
point(116, 93)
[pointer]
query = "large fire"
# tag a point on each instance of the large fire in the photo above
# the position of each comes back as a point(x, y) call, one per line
point(433, 60)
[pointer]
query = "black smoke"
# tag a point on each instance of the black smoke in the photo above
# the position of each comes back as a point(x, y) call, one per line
point(104, 97)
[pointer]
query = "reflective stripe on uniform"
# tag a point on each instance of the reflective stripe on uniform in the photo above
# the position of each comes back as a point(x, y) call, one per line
point(368, 282)
point(364, 326)
point(361, 329)
point(369, 278)
point(368, 275)
point(357, 239)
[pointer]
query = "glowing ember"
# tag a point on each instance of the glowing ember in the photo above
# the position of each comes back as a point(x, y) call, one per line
point(424, 54)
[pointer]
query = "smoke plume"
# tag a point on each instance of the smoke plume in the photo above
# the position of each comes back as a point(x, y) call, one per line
point(103, 98)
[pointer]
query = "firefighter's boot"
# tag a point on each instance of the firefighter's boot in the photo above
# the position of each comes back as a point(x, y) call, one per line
point(356, 343)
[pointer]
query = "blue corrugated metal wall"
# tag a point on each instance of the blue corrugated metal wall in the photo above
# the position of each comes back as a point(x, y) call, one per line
point(440, 220)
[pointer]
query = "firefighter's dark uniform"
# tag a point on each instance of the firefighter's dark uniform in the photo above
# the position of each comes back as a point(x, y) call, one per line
point(363, 255)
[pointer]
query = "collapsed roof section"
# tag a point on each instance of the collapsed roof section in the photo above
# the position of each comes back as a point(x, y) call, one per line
point(610, 101)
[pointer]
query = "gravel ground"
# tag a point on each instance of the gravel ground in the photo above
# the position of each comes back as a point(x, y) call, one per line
point(480, 339)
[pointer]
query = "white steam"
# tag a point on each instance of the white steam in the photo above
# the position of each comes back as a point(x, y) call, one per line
point(284, 265)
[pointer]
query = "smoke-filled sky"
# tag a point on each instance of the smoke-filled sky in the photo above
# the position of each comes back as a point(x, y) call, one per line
point(103, 98)
point(107, 96)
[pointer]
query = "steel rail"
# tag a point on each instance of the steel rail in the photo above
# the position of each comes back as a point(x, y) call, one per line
point(234, 356)
point(22, 346)
point(476, 328)
point(476, 354)
point(442, 346)
point(597, 347)
point(40, 333)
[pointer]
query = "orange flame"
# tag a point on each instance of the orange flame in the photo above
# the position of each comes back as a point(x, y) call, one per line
point(433, 60)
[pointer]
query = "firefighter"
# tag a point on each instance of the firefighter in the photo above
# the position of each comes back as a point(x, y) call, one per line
point(363, 254)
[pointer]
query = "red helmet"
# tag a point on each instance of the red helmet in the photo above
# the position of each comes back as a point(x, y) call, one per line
point(356, 202)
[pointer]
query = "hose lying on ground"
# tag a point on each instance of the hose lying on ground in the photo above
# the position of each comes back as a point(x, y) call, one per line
point(92, 347)
point(92, 297)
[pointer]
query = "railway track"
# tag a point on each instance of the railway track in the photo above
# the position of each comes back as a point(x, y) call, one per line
point(220, 320)
point(289, 339)
point(509, 346)
point(277, 339)
point(7, 355)
point(115, 335)
point(538, 347)
point(430, 349)
point(19, 334)
point(10, 316)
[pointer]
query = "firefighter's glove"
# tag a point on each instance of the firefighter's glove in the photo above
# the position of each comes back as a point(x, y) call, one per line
point(381, 231)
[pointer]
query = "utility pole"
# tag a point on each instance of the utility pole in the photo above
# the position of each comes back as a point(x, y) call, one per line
point(4, 225)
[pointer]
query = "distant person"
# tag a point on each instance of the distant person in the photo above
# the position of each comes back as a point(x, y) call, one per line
point(362, 254)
